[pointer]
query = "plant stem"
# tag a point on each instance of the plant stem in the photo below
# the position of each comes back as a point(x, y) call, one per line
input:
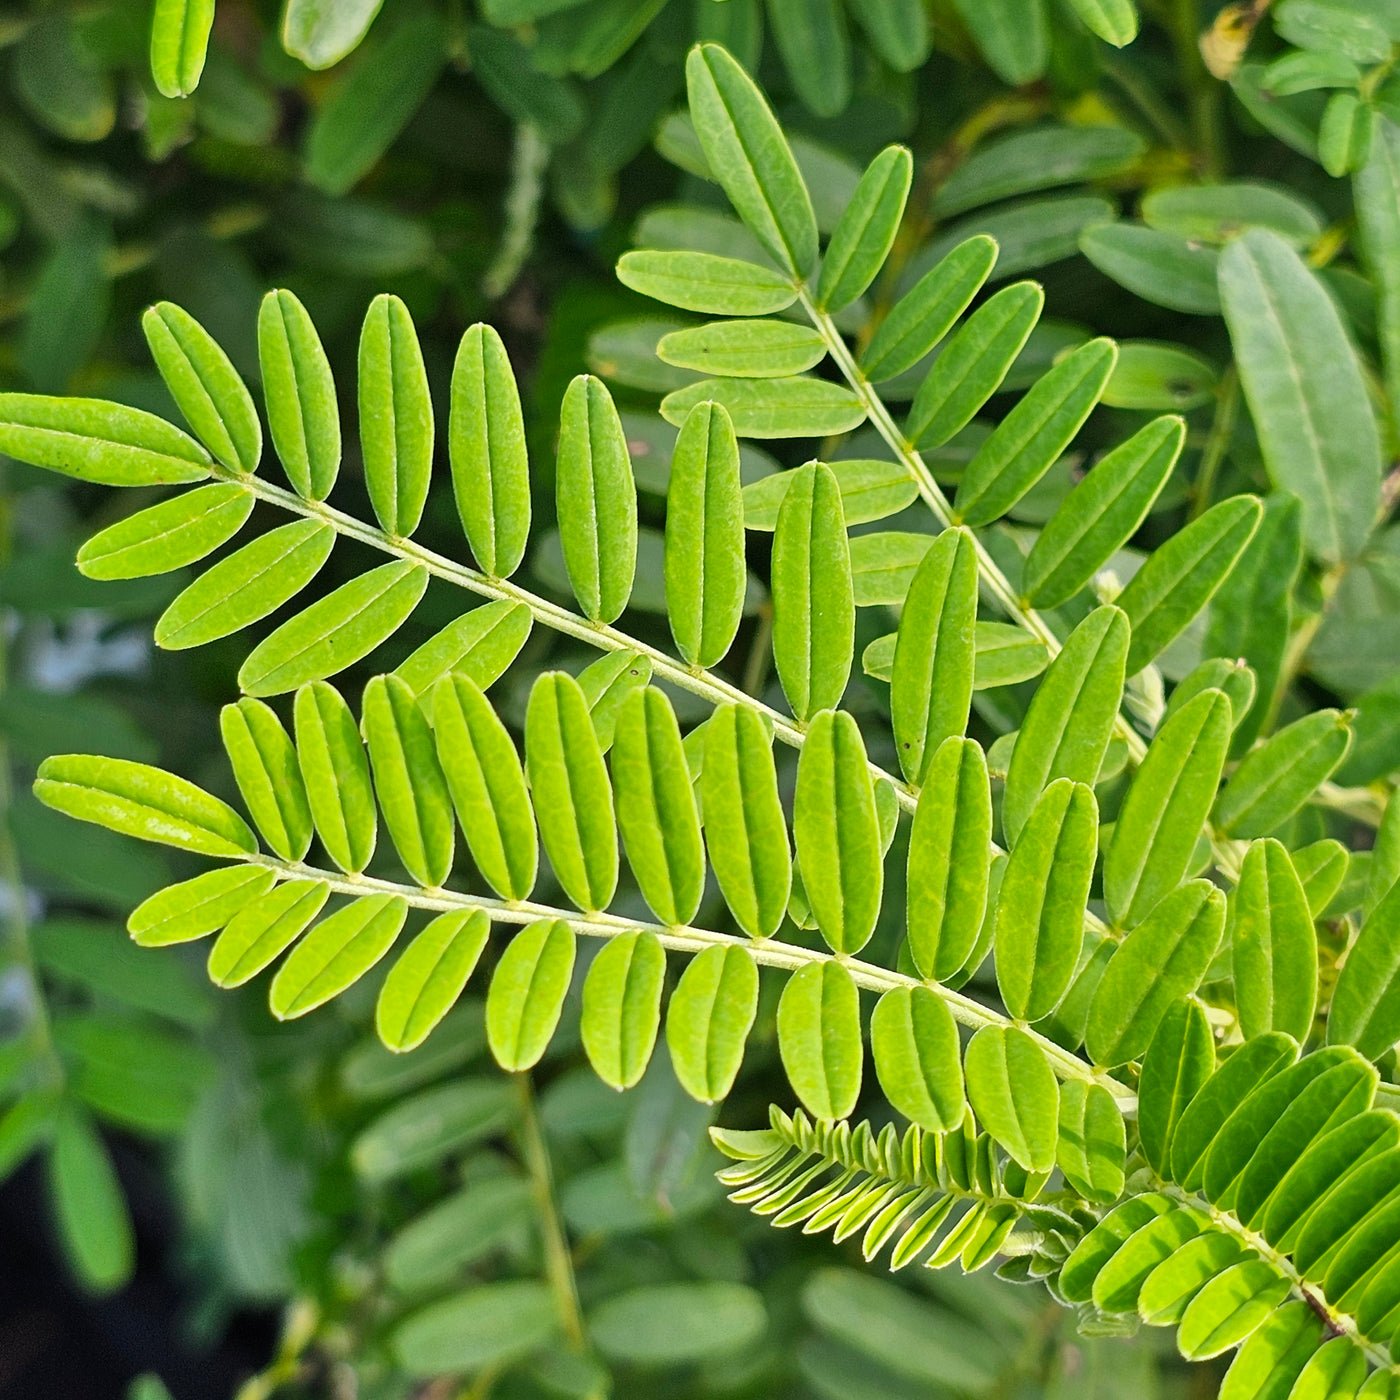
point(1222, 426)
point(522, 208)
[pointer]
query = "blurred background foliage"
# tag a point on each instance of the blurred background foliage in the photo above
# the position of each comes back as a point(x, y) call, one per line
point(209, 1196)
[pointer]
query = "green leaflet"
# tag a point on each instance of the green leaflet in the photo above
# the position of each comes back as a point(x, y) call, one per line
point(1164, 268)
point(1321, 867)
point(202, 381)
point(396, 416)
point(1102, 512)
point(914, 1042)
point(527, 993)
point(1166, 808)
point(1161, 962)
point(431, 1125)
point(971, 367)
point(606, 683)
point(708, 1020)
point(1071, 717)
point(87, 1199)
point(837, 833)
point(819, 1038)
point(1179, 1060)
point(1273, 945)
point(486, 446)
point(812, 40)
point(480, 645)
point(1040, 907)
point(745, 832)
point(596, 499)
point(706, 282)
point(1275, 1354)
point(94, 440)
point(302, 413)
point(335, 631)
point(705, 570)
point(1014, 1094)
point(336, 954)
point(931, 679)
point(1229, 1308)
point(656, 807)
point(408, 779)
point(883, 565)
point(1376, 188)
point(491, 1325)
point(870, 490)
point(1217, 213)
point(263, 930)
point(179, 40)
point(1155, 376)
point(1013, 37)
point(813, 599)
point(1092, 1148)
point(1280, 775)
point(1100, 1245)
point(321, 34)
point(246, 585)
point(749, 156)
point(1217, 673)
point(865, 233)
point(1168, 1289)
point(265, 769)
point(142, 801)
point(178, 531)
point(487, 785)
point(425, 982)
point(948, 860)
point(622, 1007)
point(929, 310)
point(1179, 577)
point(1119, 1281)
point(1025, 444)
point(748, 349)
point(198, 907)
point(1366, 1004)
point(1114, 21)
point(1003, 655)
point(336, 772)
point(1384, 868)
point(797, 406)
point(570, 791)
point(1305, 389)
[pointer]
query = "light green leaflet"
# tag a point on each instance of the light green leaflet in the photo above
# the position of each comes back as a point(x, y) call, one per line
point(246, 585)
point(302, 413)
point(266, 771)
point(759, 349)
point(336, 954)
point(1306, 391)
point(883, 565)
point(1366, 1004)
point(1154, 375)
point(179, 40)
point(1092, 1149)
point(1384, 866)
point(948, 860)
point(705, 571)
point(1163, 268)
point(1026, 443)
point(1163, 960)
point(1178, 579)
point(870, 490)
point(486, 446)
point(409, 780)
point(321, 33)
point(94, 440)
point(88, 1201)
point(865, 233)
point(606, 683)
point(571, 793)
point(819, 1038)
point(929, 310)
point(813, 599)
point(263, 930)
point(1217, 213)
point(656, 807)
point(1235, 678)
point(931, 678)
point(1273, 945)
point(914, 1042)
point(336, 772)
point(527, 993)
point(1170, 1286)
point(1275, 779)
point(1101, 513)
point(1003, 654)
point(1071, 717)
point(837, 833)
point(1114, 21)
point(708, 1020)
point(706, 282)
point(971, 367)
point(1179, 1060)
point(167, 536)
point(596, 499)
point(335, 631)
point(396, 416)
point(1321, 866)
point(1376, 189)
point(796, 406)
point(1014, 1094)
point(425, 982)
point(1040, 907)
point(480, 645)
point(204, 384)
point(142, 801)
point(487, 785)
point(622, 1007)
point(749, 156)
point(745, 832)
point(1166, 808)
point(198, 907)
